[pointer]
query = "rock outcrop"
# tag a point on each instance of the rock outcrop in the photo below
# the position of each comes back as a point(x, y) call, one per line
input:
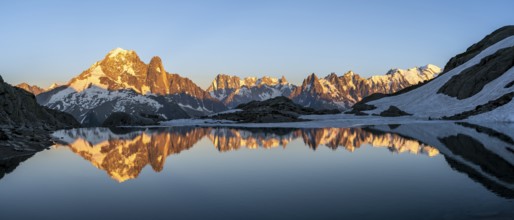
point(473, 79)
point(279, 109)
point(393, 111)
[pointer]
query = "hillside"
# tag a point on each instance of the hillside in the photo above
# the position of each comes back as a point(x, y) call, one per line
point(478, 85)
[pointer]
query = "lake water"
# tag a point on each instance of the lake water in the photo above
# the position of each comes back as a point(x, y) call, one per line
point(434, 171)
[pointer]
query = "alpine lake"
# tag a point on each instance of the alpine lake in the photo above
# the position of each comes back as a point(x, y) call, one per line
point(390, 171)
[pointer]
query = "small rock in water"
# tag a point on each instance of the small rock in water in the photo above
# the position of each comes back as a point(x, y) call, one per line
point(3, 136)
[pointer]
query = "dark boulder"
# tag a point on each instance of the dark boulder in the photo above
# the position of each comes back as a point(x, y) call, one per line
point(393, 111)
point(359, 107)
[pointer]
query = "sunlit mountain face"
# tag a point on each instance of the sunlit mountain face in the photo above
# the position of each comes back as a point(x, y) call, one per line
point(124, 153)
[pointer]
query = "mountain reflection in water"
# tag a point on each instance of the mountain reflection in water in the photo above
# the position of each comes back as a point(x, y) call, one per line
point(124, 153)
point(484, 154)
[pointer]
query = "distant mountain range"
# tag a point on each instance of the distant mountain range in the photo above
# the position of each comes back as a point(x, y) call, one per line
point(121, 82)
point(330, 92)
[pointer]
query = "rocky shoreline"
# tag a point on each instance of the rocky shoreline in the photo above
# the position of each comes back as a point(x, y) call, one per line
point(18, 145)
point(25, 126)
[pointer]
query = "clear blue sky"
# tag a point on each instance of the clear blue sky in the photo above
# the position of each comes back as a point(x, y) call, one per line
point(52, 41)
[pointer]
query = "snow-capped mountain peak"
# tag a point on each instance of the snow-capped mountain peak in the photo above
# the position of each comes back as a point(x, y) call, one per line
point(122, 82)
point(123, 69)
point(119, 51)
point(53, 86)
point(349, 73)
point(283, 80)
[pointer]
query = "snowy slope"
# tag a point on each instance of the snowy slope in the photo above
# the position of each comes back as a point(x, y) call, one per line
point(503, 113)
point(425, 101)
point(93, 105)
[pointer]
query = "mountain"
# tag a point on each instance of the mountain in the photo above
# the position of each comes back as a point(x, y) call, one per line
point(25, 125)
point(232, 90)
point(36, 90)
point(477, 85)
point(341, 92)
point(121, 82)
point(53, 86)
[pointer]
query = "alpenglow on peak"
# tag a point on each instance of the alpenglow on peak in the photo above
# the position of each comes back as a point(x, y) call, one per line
point(114, 52)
